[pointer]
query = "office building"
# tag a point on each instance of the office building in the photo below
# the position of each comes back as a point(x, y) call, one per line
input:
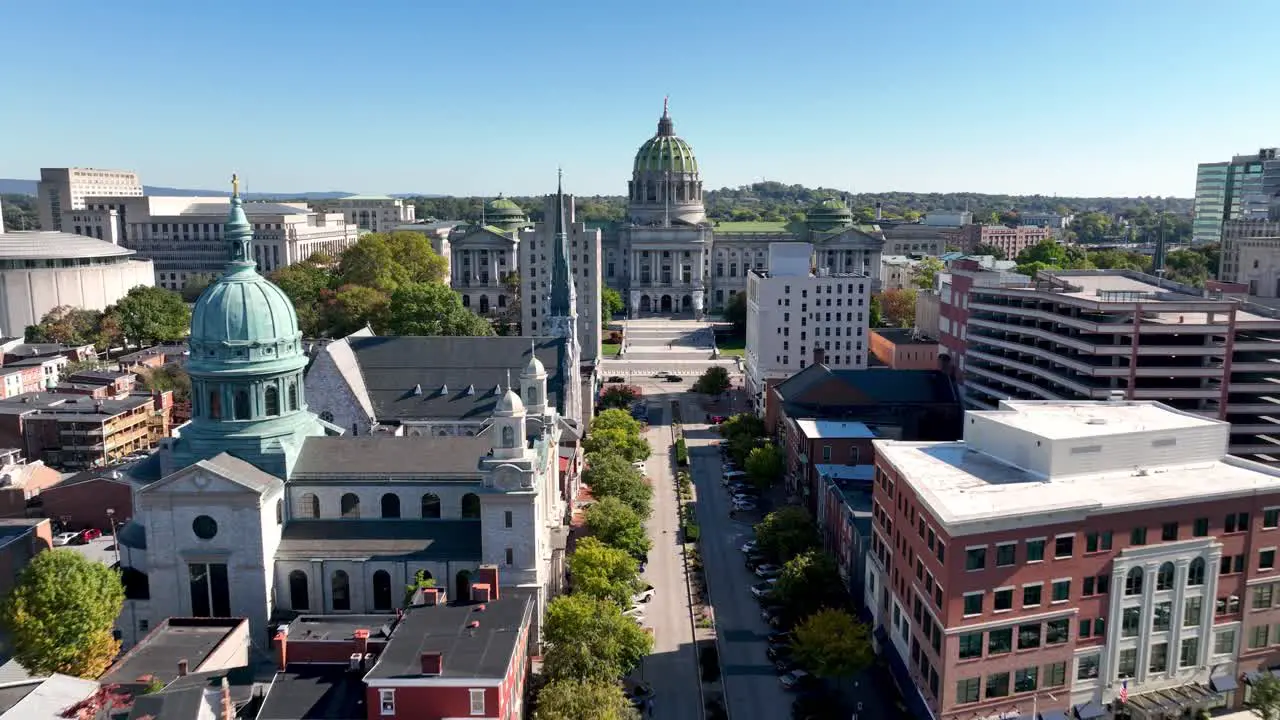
point(1251, 255)
point(536, 251)
point(797, 317)
point(1011, 240)
point(1241, 189)
point(61, 190)
point(373, 213)
point(1066, 555)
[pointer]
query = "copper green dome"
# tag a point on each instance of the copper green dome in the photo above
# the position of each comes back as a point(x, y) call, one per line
point(504, 213)
point(665, 151)
point(829, 214)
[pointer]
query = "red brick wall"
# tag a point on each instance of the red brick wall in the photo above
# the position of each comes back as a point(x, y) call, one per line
point(86, 503)
point(15, 555)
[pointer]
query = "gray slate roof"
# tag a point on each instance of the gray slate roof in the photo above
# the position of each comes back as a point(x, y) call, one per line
point(53, 245)
point(362, 539)
point(243, 472)
point(344, 458)
point(394, 366)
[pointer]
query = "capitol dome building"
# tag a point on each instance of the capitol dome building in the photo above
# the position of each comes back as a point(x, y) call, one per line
point(665, 186)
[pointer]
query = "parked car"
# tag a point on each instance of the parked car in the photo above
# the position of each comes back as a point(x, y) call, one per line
point(762, 590)
point(779, 638)
point(795, 679)
point(778, 652)
point(754, 560)
point(90, 534)
point(743, 506)
point(66, 538)
point(644, 595)
point(749, 546)
point(674, 378)
point(768, 570)
point(635, 612)
point(771, 614)
point(639, 465)
point(717, 419)
point(785, 664)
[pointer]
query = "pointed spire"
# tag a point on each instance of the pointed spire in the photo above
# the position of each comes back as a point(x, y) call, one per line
point(563, 294)
point(238, 232)
point(508, 379)
point(666, 128)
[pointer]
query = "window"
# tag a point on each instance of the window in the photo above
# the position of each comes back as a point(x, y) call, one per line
point(1224, 642)
point(1263, 596)
point(340, 588)
point(1158, 661)
point(1004, 599)
point(967, 690)
point(310, 506)
point(242, 404)
point(1162, 616)
point(1130, 622)
point(1190, 655)
point(1095, 541)
point(997, 685)
point(506, 518)
point(471, 506)
point(1028, 636)
point(942, 549)
point(1035, 550)
point(350, 505)
point(975, 558)
point(973, 603)
point(1063, 546)
point(1270, 518)
point(1164, 577)
point(1087, 669)
point(1128, 663)
point(1195, 572)
point(1031, 595)
point(1200, 527)
point(1025, 680)
point(970, 646)
point(215, 405)
point(477, 702)
point(1061, 590)
point(387, 701)
point(382, 591)
point(390, 506)
point(299, 591)
point(1006, 554)
point(210, 590)
point(1267, 559)
point(272, 400)
point(1237, 522)
point(999, 641)
point(1085, 629)
point(1057, 631)
point(1138, 536)
point(1055, 675)
point(1133, 582)
point(204, 527)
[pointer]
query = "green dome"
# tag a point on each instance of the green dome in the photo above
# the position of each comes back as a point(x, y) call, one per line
point(666, 152)
point(829, 214)
point(243, 308)
point(503, 213)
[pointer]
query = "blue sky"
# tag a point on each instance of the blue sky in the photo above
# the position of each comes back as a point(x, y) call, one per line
point(1074, 97)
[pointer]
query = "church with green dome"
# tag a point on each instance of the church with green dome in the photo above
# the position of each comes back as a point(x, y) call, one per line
point(668, 258)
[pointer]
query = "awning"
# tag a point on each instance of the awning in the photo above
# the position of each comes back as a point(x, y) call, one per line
point(1223, 683)
point(1090, 711)
point(1053, 715)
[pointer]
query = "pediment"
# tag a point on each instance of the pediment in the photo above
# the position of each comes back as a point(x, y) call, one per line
point(197, 479)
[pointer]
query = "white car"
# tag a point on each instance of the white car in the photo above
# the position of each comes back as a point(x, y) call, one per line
point(644, 595)
point(749, 546)
point(760, 590)
point(65, 538)
point(768, 571)
point(639, 465)
point(636, 612)
point(744, 505)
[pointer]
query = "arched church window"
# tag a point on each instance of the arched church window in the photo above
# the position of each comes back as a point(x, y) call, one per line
point(350, 505)
point(531, 395)
point(341, 586)
point(508, 437)
point(390, 506)
point(215, 405)
point(298, 591)
point(430, 506)
point(242, 404)
point(326, 416)
point(382, 590)
point(271, 400)
point(471, 506)
point(293, 396)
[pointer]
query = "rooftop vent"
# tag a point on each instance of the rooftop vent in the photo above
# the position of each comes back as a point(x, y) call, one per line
point(417, 389)
point(471, 390)
point(444, 389)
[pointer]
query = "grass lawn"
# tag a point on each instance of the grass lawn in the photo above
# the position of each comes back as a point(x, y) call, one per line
point(610, 349)
point(732, 345)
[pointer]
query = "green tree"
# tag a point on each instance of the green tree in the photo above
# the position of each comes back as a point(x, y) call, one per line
point(628, 446)
point(618, 396)
point(603, 572)
point(786, 532)
point(420, 580)
point(67, 325)
point(432, 308)
point(899, 307)
point(152, 314)
point(617, 525)
point(875, 317)
point(570, 699)
point(613, 476)
point(616, 419)
point(508, 319)
point(588, 638)
point(610, 304)
point(166, 377)
point(764, 465)
point(1091, 227)
point(1188, 267)
point(742, 433)
point(352, 307)
point(413, 251)
point(1049, 252)
point(809, 582)
point(735, 312)
point(60, 613)
point(714, 381)
point(372, 263)
point(832, 644)
point(927, 272)
point(1264, 699)
point(307, 283)
point(992, 250)
point(195, 285)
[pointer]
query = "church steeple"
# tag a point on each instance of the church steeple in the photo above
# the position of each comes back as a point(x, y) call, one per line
point(238, 231)
point(564, 297)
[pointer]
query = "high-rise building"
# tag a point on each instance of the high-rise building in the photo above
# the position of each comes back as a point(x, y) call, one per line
point(375, 213)
point(1236, 190)
point(64, 189)
point(536, 255)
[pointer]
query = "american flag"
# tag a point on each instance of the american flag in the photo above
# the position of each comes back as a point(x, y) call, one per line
point(1124, 691)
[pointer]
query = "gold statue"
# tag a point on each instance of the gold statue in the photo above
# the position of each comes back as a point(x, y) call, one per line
point(235, 185)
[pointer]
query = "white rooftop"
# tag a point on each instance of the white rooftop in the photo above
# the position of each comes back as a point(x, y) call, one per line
point(1059, 420)
point(834, 429)
point(55, 245)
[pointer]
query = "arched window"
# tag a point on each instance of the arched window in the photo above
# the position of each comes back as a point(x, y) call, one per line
point(462, 585)
point(350, 506)
point(430, 506)
point(298, 591)
point(508, 437)
point(1133, 582)
point(280, 511)
point(293, 396)
point(1195, 572)
point(271, 400)
point(390, 506)
point(242, 405)
point(341, 590)
point(215, 405)
point(1164, 577)
point(471, 506)
point(326, 416)
point(309, 506)
point(382, 590)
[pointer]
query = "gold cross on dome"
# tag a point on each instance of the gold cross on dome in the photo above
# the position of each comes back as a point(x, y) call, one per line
point(235, 185)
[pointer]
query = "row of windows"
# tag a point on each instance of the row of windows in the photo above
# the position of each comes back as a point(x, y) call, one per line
point(240, 406)
point(1024, 680)
point(429, 508)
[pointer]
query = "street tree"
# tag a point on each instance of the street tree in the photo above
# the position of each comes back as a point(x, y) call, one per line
point(616, 419)
point(899, 307)
point(1264, 698)
point(152, 314)
point(610, 304)
point(603, 572)
point(832, 644)
point(60, 612)
point(714, 381)
point(432, 308)
point(786, 532)
point(742, 433)
point(927, 272)
point(587, 638)
point(764, 465)
point(352, 307)
point(629, 446)
point(421, 262)
point(735, 312)
point(617, 525)
point(810, 582)
point(67, 325)
point(572, 699)
point(613, 476)
point(619, 396)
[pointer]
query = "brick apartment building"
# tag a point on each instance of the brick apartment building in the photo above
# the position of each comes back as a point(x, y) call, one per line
point(1012, 240)
point(76, 431)
point(904, 349)
point(1063, 552)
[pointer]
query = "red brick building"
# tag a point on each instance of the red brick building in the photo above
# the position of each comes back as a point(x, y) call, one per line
point(20, 540)
point(82, 500)
point(904, 349)
point(1064, 552)
point(1012, 240)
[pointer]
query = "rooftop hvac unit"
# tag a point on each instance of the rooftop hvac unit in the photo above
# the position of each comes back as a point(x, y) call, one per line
point(354, 664)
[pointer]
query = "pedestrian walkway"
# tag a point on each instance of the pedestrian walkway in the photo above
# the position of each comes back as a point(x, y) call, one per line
point(650, 339)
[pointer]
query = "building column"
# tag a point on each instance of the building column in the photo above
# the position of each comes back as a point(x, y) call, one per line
point(1148, 618)
point(1111, 651)
point(1209, 604)
point(1176, 619)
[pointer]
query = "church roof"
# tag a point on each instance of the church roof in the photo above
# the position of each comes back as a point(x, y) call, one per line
point(360, 539)
point(344, 458)
point(411, 377)
point(242, 472)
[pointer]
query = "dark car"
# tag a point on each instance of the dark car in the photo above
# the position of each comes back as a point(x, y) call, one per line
point(772, 614)
point(779, 638)
point(778, 652)
point(674, 378)
point(785, 664)
point(755, 559)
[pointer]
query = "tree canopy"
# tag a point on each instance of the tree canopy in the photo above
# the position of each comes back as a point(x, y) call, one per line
point(899, 307)
point(613, 476)
point(742, 433)
point(618, 396)
point(786, 532)
point(67, 325)
point(60, 613)
point(1264, 698)
point(588, 638)
point(150, 314)
point(714, 381)
point(610, 304)
point(809, 582)
point(735, 312)
point(764, 465)
point(432, 308)
point(986, 249)
point(832, 644)
point(570, 699)
point(604, 572)
point(615, 419)
point(385, 261)
point(617, 525)
point(195, 285)
point(927, 272)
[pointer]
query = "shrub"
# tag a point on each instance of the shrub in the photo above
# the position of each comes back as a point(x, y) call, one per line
point(682, 453)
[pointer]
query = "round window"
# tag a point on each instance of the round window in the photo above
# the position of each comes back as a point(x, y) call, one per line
point(205, 527)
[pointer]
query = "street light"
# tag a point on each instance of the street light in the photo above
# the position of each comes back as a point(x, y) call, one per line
point(115, 536)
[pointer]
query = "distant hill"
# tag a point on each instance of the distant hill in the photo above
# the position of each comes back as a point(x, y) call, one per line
point(12, 186)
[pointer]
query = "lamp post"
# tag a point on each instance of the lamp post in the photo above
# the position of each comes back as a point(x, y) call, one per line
point(115, 536)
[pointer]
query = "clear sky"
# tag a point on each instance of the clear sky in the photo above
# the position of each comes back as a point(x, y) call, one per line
point(1067, 97)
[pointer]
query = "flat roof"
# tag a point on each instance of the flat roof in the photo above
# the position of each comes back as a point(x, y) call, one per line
point(834, 429)
point(190, 639)
point(314, 692)
point(1090, 284)
point(54, 245)
point(1061, 420)
point(481, 652)
point(311, 628)
point(904, 336)
point(44, 699)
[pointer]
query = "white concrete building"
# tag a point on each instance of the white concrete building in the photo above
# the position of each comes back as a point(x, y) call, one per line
point(183, 235)
point(796, 317)
point(947, 218)
point(375, 213)
point(63, 189)
point(42, 270)
point(897, 272)
point(1251, 255)
point(536, 257)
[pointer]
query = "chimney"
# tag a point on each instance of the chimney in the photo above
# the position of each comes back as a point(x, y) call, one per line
point(362, 640)
point(480, 593)
point(228, 708)
point(489, 574)
point(819, 356)
point(182, 667)
point(879, 210)
point(281, 642)
point(430, 596)
point(432, 663)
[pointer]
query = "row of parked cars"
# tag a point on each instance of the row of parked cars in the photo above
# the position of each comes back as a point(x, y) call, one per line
point(790, 674)
point(79, 537)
